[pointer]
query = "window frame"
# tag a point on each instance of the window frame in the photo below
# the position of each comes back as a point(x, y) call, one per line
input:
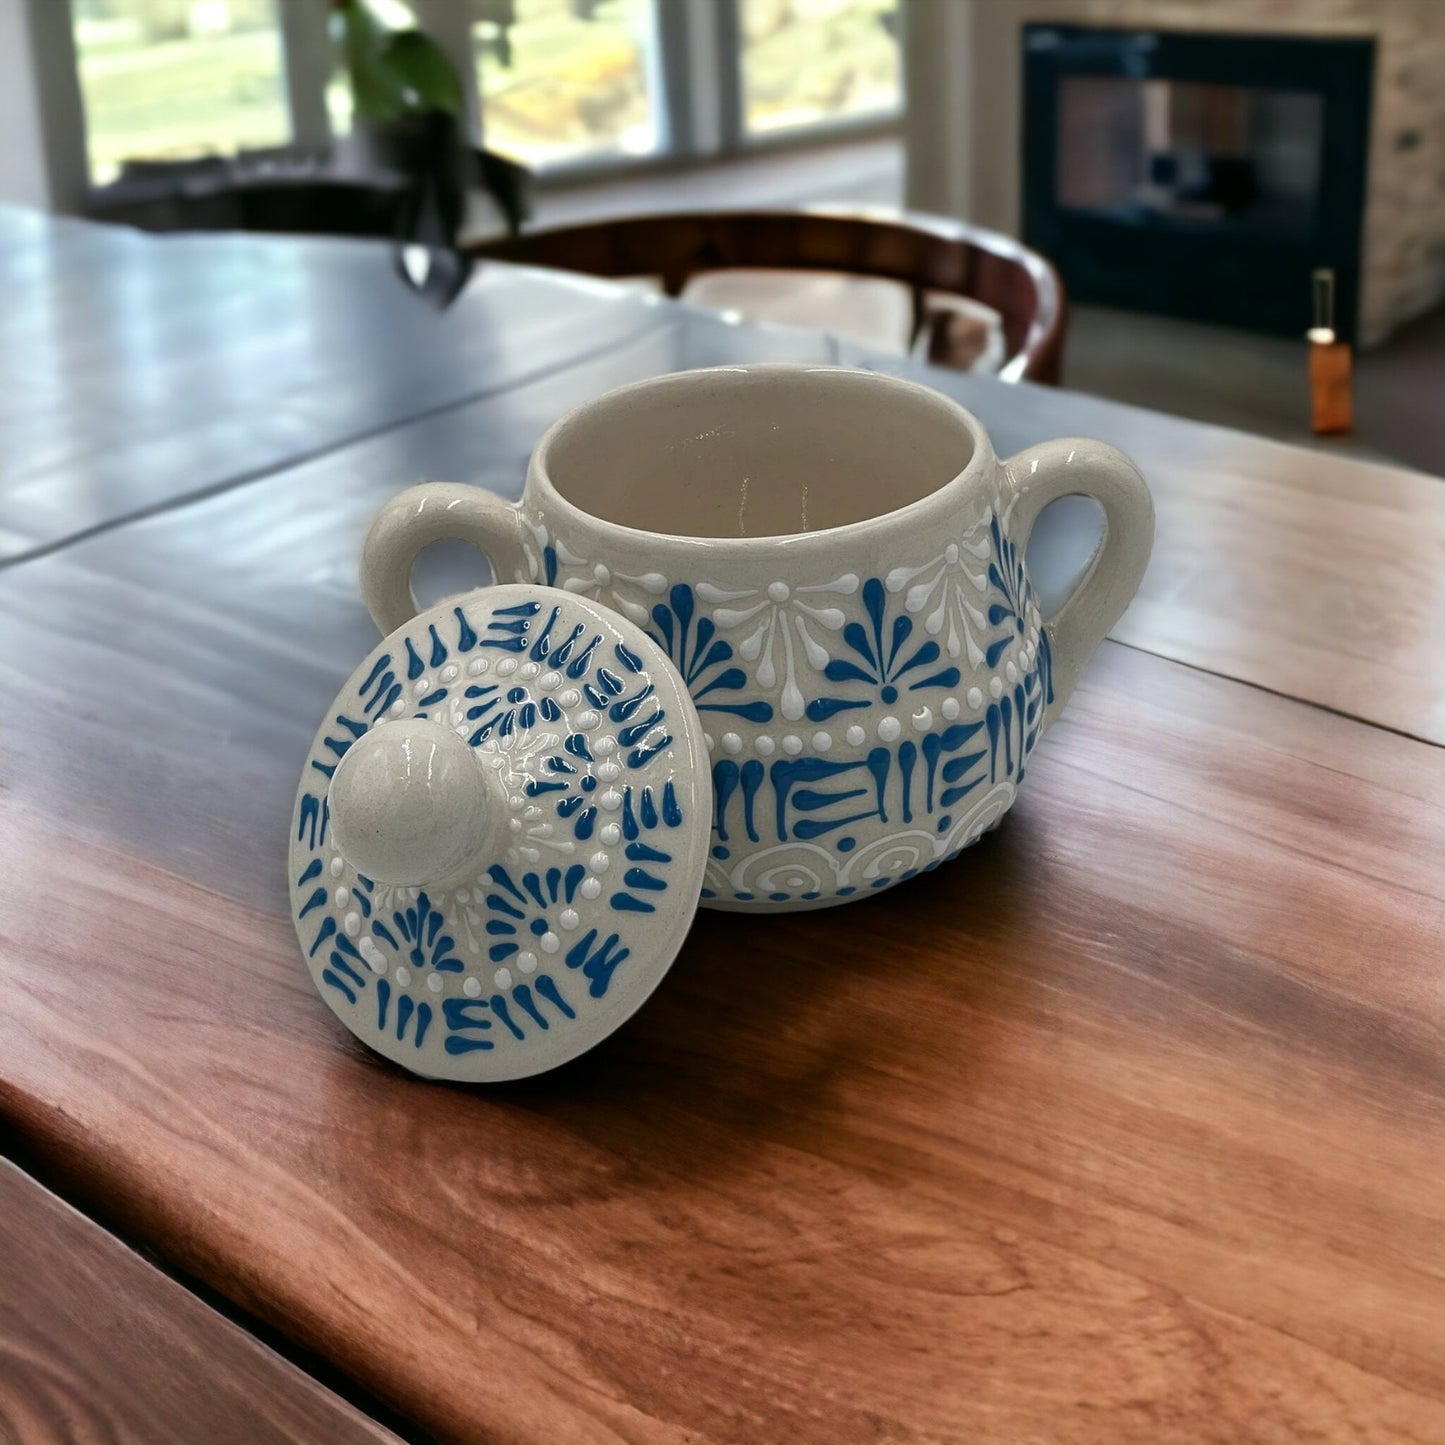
point(695, 82)
point(745, 142)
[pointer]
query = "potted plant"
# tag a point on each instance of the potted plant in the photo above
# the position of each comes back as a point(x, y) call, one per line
point(407, 120)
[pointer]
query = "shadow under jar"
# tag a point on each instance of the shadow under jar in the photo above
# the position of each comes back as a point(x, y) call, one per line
point(833, 561)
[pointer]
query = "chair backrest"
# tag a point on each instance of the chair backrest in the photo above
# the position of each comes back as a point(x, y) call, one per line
point(926, 253)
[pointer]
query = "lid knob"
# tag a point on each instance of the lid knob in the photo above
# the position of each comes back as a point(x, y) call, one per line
point(412, 804)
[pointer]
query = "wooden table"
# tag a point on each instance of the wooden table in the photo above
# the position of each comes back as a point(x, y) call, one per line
point(98, 1345)
point(1128, 1127)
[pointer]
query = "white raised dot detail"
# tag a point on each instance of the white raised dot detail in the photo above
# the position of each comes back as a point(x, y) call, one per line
point(352, 923)
point(922, 720)
point(503, 977)
point(477, 666)
point(792, 745)
point(527, 962)
point(568, 919)
point(995, 686)
point(591, 887)
point(822, 742)
point(398, 707)
point(341, 897)
point(588, 720)
point(435, 982)
point(506, 667)
point(529, 669)
point(778, 591)
point(336, 866)
point(610, 834)
point(402, 976)
point(1011, 672)
point(570, 698)
point(610, 801)
point(855, 736)
point(949, 708)
point(549, 942)
point(975, 698)
point(421, 686)
point(371, 953)
point(599, 862)
point(889, 729)
point(549, 680)
point(472, 987)
point(710, 741)
point(608, 772)
point(732, 743)
point(450, 672)
point(603, 746)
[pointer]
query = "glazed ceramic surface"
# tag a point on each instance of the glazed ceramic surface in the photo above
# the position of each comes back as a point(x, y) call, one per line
point(833, 561)
point(499, 835)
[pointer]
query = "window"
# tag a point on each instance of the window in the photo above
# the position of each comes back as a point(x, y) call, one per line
point(557, 83)
point(811, 61)
point(168, 79)
point(565, 79)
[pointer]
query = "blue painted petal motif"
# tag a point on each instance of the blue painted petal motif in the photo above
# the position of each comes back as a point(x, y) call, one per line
point(885, 657)
point(703, 658)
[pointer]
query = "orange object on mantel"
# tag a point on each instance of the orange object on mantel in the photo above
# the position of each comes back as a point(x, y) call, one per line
point(1331, 364)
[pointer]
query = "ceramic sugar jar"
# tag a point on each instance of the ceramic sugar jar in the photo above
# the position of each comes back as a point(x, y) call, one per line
point(833, 561)
point(764, 638)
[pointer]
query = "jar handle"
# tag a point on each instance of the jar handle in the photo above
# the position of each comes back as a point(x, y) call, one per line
point(1076, 467)
point(434, 512)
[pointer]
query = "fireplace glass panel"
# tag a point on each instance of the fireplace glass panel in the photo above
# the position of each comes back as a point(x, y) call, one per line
point(1190, 155)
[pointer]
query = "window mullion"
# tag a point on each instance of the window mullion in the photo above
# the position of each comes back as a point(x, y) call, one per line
point(308, 60)
point(723, 55)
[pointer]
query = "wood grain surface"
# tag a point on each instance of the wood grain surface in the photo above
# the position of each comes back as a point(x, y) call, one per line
point(97, 1347)
point(1311, 573)
point(145, 370)
point(1128, 1127)
point(141, 369)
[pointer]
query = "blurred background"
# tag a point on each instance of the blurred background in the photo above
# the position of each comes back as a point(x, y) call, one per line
point(1211, 179)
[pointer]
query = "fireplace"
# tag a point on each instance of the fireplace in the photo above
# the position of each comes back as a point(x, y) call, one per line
point(1198, 175)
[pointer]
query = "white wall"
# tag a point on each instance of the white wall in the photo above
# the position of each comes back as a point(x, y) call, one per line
point(23, 178)
point(42, 131)
point(965, 118)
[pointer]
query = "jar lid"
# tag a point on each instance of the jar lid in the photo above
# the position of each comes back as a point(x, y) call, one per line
point(500, 834)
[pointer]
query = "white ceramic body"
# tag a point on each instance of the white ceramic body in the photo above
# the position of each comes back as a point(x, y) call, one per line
point(870, 691)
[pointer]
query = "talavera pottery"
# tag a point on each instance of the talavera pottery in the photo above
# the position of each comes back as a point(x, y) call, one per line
point(771, 643)
point(500, 834)
point(833, 561)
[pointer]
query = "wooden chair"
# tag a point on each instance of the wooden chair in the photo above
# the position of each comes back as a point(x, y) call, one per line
point(932, 256)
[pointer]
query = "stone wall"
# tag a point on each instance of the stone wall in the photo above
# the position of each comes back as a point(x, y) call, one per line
point(964, 65)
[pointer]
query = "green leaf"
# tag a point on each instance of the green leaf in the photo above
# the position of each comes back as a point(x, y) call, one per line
point(421, 70)
point(394, 73)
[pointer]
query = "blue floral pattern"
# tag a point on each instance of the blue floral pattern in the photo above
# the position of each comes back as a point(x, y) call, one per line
point(582, 736)
point(704, 658)
point(916, 695)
